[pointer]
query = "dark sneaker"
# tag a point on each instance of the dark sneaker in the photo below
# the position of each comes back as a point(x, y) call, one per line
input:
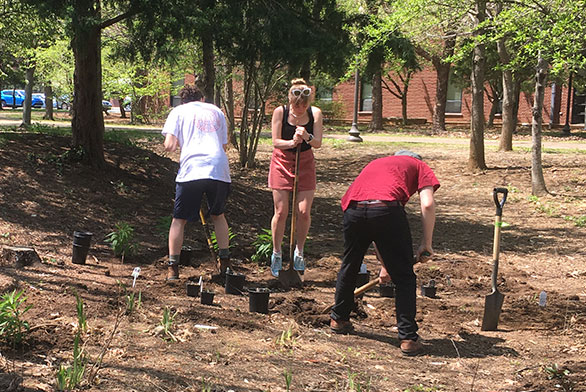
point(173, 272)
point(341, 327)
point(411, 347)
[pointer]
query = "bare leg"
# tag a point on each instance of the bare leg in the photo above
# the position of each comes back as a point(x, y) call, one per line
point(176, 236)
point(221, 229)
point(305, 200)
point(281, 202)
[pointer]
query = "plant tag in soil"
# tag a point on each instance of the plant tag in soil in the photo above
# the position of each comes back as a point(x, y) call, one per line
point(542, 299)
point(135, 274)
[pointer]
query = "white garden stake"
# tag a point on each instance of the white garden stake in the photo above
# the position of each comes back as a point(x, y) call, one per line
point(135, 274)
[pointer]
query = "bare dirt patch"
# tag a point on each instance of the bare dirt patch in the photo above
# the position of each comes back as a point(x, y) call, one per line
point(45, 197)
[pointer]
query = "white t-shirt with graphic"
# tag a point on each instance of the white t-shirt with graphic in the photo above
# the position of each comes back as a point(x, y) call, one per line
point(201, 130)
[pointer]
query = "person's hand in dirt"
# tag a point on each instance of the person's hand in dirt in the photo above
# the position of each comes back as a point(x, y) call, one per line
point(384, 276)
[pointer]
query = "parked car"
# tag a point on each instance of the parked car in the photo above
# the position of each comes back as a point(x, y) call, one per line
point(106, 105)
point(17, 97)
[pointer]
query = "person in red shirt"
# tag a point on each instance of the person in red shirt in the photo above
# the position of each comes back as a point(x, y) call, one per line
point(374, 212)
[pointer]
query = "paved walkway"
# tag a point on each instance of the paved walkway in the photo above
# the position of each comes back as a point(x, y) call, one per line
point(549, 144)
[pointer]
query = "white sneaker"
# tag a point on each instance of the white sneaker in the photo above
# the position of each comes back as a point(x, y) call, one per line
point(298, 262)
point(276, 264)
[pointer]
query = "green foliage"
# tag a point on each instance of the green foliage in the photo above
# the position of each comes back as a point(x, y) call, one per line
point(133, 302)
point(121, 240)
point(288, 378)
point(163, 225)
point(12, 327)
point(553, 371)
point(579, 221)
point(421, 388)
point(81, 317)
point(167, 324)
point(215, 241)
point(70, 377)
point(263, 247)
point(331, 109)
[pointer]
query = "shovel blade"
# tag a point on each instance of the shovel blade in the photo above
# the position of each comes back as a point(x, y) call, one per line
point(493, 304)
point(290, 278)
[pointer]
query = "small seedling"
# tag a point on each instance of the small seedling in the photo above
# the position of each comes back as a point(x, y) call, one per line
point(122, 240)
point(12, 327)
point(70, 377)
point(167, 324)
point(81, 318)
point(288, 378)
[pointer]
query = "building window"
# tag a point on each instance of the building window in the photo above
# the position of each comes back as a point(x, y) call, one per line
point(324, 94)
point(454, 101)
point(366, 97)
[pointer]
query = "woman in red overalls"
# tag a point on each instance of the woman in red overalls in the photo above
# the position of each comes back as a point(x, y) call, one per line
point(297, 123)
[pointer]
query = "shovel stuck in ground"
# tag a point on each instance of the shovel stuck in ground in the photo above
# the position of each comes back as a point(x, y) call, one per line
point(290, 277)
point(493, 302)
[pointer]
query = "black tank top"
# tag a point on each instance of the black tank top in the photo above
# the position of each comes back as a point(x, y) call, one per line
point(288, 130)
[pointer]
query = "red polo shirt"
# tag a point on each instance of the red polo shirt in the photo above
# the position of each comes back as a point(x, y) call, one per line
point(390, 178)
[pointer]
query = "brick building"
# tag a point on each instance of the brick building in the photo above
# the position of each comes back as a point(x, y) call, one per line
point(421, 99)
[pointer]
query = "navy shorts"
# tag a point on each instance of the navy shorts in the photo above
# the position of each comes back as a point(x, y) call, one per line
point(188, 196)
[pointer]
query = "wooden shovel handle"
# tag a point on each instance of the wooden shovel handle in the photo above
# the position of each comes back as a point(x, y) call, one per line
point(294, 209)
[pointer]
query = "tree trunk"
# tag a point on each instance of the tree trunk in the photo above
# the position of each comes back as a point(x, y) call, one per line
point(209, 70)
point(48, 90)
point(404, 97)
point(26, 105)
point(207, 50)
point(121, 106)
point(442, 71)
point(508, 124)
point(516, 101)
point(376, 122)
point(494, 104)
point(229, 92)
point(537, 181)
point(476, 158)
point(87, 124)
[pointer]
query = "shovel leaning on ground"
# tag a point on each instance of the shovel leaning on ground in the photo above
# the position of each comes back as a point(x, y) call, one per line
point(290, 277)
point(493, 302)
point(208, 233)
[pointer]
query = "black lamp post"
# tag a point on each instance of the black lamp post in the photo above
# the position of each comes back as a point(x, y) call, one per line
point(566, 128)
point(354, 132)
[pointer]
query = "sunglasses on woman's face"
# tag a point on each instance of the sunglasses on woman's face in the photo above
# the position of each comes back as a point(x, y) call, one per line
point(301, 91)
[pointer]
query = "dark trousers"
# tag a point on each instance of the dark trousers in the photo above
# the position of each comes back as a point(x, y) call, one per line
point(389, 229)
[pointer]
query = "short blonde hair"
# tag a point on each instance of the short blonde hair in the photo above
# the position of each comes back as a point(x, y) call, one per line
point(301, 99)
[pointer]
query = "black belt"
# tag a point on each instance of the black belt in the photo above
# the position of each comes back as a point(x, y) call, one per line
point(375, 203)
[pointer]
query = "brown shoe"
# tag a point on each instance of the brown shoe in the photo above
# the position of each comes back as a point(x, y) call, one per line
point(223, 265)
point(341, 326)
point(173, 272)
point(411, 347)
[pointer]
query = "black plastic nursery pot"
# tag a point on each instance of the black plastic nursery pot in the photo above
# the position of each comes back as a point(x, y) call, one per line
point(258, 300)
point(193, 289)
point(82, 238)
point(234, 283)
point(207, 297)
point(79, 255)
point(185, 255)
point(387, 290)
point(429, 290)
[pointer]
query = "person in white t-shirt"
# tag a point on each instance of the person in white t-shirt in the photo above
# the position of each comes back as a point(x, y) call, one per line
point(199, 129)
